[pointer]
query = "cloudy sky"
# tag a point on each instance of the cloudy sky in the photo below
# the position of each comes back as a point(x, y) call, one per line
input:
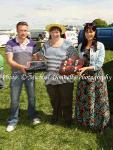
point(39, 13)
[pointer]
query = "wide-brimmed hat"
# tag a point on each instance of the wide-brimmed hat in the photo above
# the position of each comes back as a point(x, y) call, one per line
point(63, 29)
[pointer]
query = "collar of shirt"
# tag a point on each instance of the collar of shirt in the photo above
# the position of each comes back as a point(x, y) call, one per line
point(24, 44)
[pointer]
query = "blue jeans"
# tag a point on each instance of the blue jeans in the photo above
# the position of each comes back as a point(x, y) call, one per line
point(16, 84)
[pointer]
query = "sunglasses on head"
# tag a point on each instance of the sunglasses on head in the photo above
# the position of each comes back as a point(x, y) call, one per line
point(90, 25)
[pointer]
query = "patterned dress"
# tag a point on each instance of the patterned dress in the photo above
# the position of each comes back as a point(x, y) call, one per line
point(92, 104)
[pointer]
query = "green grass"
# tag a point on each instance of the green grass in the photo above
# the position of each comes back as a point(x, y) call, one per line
point(46, 136)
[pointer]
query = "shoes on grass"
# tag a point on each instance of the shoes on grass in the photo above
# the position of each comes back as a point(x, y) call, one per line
point(36, 121)
point(10, 128)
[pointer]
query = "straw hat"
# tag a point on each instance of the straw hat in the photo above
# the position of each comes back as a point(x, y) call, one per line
point(63, 29)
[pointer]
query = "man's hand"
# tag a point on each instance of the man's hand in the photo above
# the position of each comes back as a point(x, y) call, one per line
point(23, 68)
point(14, 64)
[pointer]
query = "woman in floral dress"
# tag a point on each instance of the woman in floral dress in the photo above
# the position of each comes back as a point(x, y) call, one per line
point(92, 104)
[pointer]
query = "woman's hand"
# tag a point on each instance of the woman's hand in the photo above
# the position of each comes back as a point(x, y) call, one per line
point(82, 70)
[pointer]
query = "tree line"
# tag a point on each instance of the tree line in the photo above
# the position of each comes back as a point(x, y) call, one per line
point(102, 23)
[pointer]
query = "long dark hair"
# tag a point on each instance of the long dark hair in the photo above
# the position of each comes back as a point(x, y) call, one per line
point(91, 26)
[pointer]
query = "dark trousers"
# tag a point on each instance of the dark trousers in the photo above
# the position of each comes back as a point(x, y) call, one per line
point(61, 97)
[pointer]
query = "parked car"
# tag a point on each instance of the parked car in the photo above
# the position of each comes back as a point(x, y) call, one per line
point(104, 35)
point(36, 34)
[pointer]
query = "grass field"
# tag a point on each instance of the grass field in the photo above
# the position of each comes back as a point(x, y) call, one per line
point(46, 136)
